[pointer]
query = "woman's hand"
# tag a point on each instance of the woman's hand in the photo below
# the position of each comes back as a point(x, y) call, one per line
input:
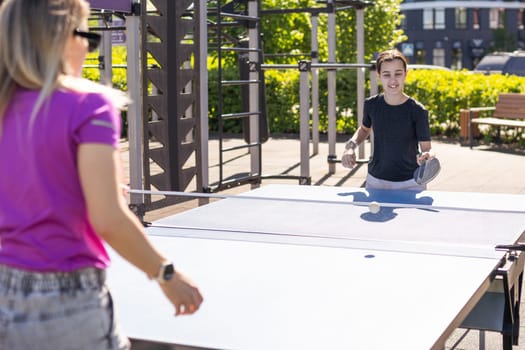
point(182, 293)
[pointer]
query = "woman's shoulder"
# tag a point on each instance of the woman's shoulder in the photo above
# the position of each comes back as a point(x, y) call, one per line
point(84, 91)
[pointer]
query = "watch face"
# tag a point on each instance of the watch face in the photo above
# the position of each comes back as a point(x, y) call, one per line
point(169, 271)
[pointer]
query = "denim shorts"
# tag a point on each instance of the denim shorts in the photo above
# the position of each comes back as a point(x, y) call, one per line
point(55, 311)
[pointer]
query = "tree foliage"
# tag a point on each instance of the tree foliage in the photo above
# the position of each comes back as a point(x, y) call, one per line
point(290, 33)
point(503, 41)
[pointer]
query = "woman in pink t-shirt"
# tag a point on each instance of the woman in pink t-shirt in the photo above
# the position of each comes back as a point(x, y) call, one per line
point(60, 195)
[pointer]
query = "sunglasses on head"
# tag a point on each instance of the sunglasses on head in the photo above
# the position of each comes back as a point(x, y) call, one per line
point(92, 38)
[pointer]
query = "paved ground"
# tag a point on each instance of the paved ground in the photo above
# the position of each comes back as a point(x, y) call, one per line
point(481, 169)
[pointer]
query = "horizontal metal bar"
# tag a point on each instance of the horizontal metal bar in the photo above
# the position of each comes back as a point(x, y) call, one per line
point(122, 66)
point(319, 65)
point(341, 65)
point(279, 66)
point(481, 109)
point(240, 82)
point(288, 54)
point(287, 177)
point(240, 49)
point(226, 184)
point(239, 17)
point(239, 115)
point(312, 10)
point(225, 24)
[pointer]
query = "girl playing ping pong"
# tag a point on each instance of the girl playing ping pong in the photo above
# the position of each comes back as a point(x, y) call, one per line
point(401, 130)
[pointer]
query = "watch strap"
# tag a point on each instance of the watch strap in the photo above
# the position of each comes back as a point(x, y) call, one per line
point(165, 273)
point(351, 144)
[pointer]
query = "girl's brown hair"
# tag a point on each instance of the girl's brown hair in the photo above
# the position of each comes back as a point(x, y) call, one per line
point(389, 56)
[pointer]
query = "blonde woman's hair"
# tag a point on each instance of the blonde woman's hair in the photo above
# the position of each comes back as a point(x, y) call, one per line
point(33, 34)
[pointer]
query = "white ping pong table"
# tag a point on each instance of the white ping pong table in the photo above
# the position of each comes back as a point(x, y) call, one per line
point(310, 267)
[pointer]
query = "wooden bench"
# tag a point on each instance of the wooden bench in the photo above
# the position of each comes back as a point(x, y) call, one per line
point(508, 112)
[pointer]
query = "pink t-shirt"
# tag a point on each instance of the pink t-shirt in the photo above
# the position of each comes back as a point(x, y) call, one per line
point(44, 223)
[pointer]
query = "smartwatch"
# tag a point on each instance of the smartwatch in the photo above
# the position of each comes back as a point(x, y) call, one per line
point(351, 144)
point(166, 272)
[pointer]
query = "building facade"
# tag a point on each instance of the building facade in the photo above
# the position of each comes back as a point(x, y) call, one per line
point(457, 34)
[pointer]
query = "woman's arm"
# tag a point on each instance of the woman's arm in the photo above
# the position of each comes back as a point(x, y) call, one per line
point(99, 169)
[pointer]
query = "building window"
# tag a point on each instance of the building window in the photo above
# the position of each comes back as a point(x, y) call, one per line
point(493, 18)
point(440, 18)
point(461, 18)
point(403, 21)
point(457, 59)
point(428, 19)
point(496, 18)
point(438, 57)
point(434, 18)
point(421, 55)
point(475, 18)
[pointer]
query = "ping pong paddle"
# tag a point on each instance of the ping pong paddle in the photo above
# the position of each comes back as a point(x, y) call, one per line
point(427, 171)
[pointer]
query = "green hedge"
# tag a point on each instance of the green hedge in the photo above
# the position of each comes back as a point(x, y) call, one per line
point(444, 93)
point(282, 100)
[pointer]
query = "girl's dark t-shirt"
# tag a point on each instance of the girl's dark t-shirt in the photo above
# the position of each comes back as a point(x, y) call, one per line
point(397, 131)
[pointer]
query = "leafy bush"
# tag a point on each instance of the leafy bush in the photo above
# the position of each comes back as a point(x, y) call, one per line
point(283, 100)
point(444, 94)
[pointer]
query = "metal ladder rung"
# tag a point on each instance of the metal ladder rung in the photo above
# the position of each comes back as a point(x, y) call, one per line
point(240, 82)
point(240, 49)
point(239, 115)
point(226, 24)
point(226, 17)
point(230, 183)
point(249, 145)
point(237, 16)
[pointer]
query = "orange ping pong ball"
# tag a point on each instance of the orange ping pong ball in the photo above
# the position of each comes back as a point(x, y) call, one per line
point(374, 207)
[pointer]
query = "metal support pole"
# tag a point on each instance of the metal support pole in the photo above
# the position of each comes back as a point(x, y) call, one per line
point(135, 109)
point(360, 73)
point(373, 79)
point(304, 122)
point(105, 59)
point(331, 79)
point(315, 84)
point(253, 36)
point(373, 91)
point(203, 100)
point(482, 339)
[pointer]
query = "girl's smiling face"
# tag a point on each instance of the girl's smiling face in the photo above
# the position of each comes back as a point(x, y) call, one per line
point(392, 76)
